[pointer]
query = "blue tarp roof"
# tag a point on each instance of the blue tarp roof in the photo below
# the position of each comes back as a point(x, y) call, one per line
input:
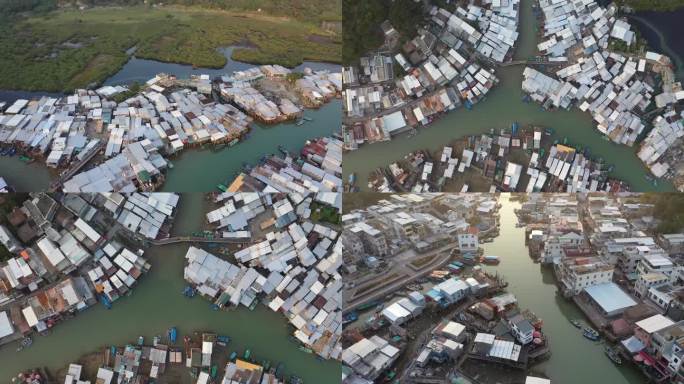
point(434, 295)
point(610, 297)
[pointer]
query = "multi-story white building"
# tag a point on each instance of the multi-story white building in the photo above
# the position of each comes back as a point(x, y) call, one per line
point(374, 240)
point(468, 242)
point(576, 274)
point(669, 347)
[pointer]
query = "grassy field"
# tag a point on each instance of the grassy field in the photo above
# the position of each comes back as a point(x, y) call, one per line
point(67, 49)
point(653, 5)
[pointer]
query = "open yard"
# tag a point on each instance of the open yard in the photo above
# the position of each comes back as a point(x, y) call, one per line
point(67, 49)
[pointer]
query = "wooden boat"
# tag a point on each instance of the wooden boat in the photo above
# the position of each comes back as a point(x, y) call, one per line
point(591, 334)
point(173, 334)
point(613, 355)
point(576, 323)
point(305, 349)
point(223, 340)
point(493, 260)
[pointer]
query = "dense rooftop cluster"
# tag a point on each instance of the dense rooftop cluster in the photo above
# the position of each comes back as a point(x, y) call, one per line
point(603, 73)
point(317, 169)
point(291, 265)
point(65, 257)
point(446, 65)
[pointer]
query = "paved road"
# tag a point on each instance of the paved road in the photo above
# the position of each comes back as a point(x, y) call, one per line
point(409, 274)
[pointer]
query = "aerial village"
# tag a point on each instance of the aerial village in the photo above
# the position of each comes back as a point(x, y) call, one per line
point(419, 306)
point(601, 69)
point(97, 144)
point(516, 160)
point(450, 63)
point(281, 251)
point(70, 252)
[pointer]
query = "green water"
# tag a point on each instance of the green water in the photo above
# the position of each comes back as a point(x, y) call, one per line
point(25, 177)
point(157, 304)
point(502, 107)
point(574, 359)
point(200, 170)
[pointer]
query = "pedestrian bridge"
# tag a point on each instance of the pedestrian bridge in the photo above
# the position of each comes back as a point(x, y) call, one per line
point(531, 62)
point(196, 239)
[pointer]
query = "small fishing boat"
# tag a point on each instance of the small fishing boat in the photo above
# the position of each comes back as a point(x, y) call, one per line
point(214, 370)
point(613, 355)
point(232, 356)
point(350, 317)
point(247, 354)
point(141, 341)
point(300, 122)
point(222, 340)
point(307, 118)
point(104, 299)
point(305, 349)
point(12, 152)
point(25, 159)
point(189, 291)
point(221, 187)
point(295, 380)
point(491, 260)
point(591, 334)
point(156, 340)
point(279, 370)
point(173, 334)
point(352, 178)
point(25, 343)
point(576, 323)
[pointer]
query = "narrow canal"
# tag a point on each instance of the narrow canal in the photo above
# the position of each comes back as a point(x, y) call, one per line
point(502, 107)
point(157, 304)
point(574, 359)
point(195, 170)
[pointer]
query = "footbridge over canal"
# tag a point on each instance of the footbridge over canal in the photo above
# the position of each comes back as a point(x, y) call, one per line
point(532, 61)
point(197, 239)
